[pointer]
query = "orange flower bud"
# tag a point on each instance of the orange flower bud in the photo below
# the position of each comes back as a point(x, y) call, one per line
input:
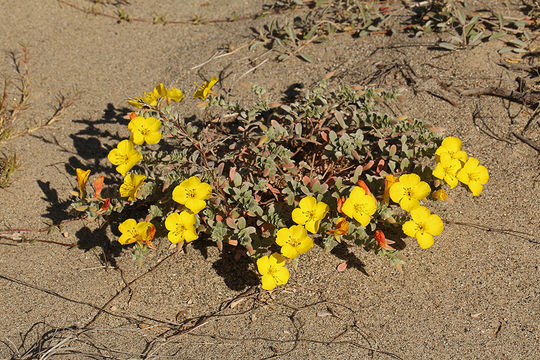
point(388, 182)
point(340, 202)
point(82, 178)
point(364, 186)
point(342, 226)
point(382, 241)
point(440, 195)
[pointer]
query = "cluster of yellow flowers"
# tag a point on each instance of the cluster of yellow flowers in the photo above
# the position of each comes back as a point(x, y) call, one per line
point(453, 166)
point(293, 241)
point(153, 98)
point(408, 191)
point(360, 205)
point(191, 193)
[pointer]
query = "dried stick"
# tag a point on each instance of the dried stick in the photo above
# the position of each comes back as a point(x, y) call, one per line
point(517, 96)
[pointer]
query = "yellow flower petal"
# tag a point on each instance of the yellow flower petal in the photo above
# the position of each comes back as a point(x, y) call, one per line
point(421, 190)
point(299, 216)
point(289, 251)
point(313, 226)
point(268, 282)
point(452, 143)
point(425, 240)
point(282, 236)
point(409, 180)
point(195, 205)
point(434, 225)
point(420, 214)
point(263, 265)
point(408, 203)
point(475, 187)
point(281, 275)
point(410, 228)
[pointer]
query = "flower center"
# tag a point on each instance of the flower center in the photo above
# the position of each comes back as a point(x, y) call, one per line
point(473, 177)
point(123, 159)
point(309, 214)
point(359, 208)
point(190, 193)
point(180, 229)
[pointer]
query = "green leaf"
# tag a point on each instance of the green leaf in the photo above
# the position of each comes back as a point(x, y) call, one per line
point(254, 45)
point(477, 37)
point(237, 179)
point(282, 57)
point(241, 223)
point(497, 35)
point(447, 46)
point(339, 118)
point(306, 57)
point(461, 17)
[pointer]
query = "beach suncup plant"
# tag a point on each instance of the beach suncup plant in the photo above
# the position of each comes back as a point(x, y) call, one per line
point(276, 179)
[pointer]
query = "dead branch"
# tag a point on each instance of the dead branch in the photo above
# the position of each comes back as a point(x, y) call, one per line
point(530, 99)
point(527, 141)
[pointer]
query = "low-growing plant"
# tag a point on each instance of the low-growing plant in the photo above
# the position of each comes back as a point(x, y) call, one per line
point(8, 164)
point(290, 36)
point(274, 179)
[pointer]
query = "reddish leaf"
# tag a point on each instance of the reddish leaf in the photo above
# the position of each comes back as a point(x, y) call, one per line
point(231, 223)
point(380, 166)
point(288, 165)
point(232, 172)
point(369, 165)
point(105, 206)
point(342, 267)
point(98, 186)
point(324, 136)
point(330, 181)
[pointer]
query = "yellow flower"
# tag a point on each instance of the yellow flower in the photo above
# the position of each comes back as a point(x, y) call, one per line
point(148, 100)
point(145, 129)
point(124, 156)
point(440, 195)
point(181, 227)
point(473, 175)
point(131, 185)
point(423, 226)
point(142, 232)
point(388, 182)
point(175, 95)
point(203, 91)
point(294, 241)
point(359, 206)
point(192, 193)
point(310, 213)
point(168, 94)
point(82, 178)
point(408, 191)
point(273, 271)
point(451, 146)
point(447, 169)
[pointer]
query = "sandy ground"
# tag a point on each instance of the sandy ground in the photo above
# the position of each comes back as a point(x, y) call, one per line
point(473, 295)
